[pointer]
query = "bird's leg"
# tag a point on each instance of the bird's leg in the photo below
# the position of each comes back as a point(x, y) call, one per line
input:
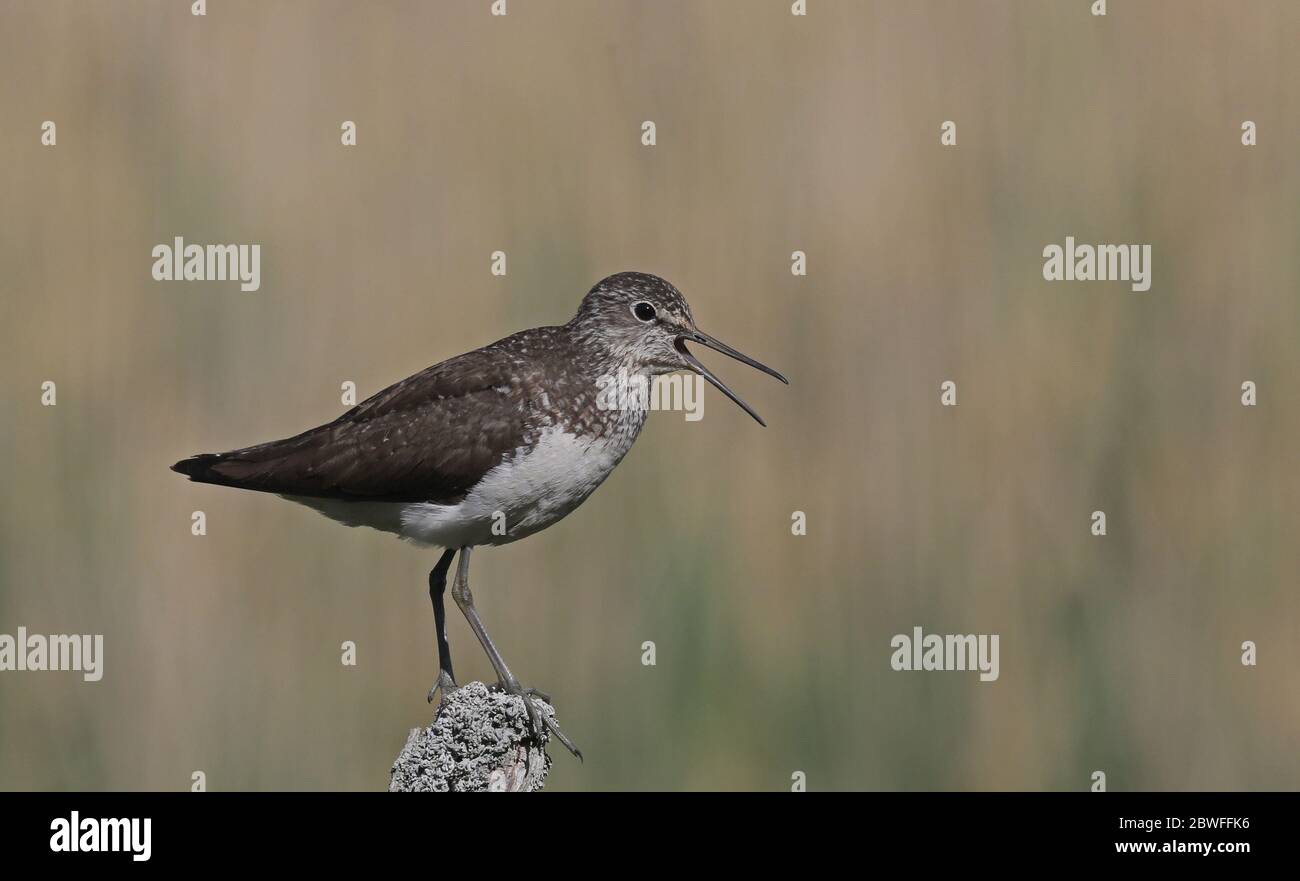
point(437, 587)
point(509, 684)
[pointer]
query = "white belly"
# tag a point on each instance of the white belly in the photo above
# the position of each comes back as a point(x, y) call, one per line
point(528, 492)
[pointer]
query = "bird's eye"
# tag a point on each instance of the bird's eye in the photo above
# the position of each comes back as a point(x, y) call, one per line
point(644, 311)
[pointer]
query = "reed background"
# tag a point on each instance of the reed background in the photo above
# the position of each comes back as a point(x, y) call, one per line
point(775, 133)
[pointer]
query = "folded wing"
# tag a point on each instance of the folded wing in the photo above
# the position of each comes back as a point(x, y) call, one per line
point(429, 437)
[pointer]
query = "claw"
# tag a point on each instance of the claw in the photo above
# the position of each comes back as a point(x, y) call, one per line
point(446, 683)
point(562, 737)
point(537, 692)
point(536, 718)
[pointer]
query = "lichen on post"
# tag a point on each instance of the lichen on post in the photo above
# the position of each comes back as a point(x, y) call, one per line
point(479, 741)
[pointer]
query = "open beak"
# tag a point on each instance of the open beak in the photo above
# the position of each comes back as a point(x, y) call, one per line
point(698, 336)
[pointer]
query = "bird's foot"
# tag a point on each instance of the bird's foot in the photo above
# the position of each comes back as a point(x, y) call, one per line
point(537, 719)
point(445, 684)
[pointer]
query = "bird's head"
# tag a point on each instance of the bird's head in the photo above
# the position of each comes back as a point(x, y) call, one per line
point(646, 323)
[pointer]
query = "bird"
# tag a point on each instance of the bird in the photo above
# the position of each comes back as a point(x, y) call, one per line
point(488, 447)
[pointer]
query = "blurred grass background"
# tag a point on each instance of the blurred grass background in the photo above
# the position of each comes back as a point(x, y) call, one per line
point(775, 133)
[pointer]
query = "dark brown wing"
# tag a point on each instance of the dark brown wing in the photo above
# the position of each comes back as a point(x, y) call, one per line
point(429, 437)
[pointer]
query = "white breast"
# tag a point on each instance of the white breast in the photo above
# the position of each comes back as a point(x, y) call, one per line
point(527, 492)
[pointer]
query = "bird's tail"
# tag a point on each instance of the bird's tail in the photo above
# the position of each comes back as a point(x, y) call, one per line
point(279, 466)
point(199, 468)
point(202, 469)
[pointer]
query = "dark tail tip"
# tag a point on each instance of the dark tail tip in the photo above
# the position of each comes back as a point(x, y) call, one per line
point(196, 467)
